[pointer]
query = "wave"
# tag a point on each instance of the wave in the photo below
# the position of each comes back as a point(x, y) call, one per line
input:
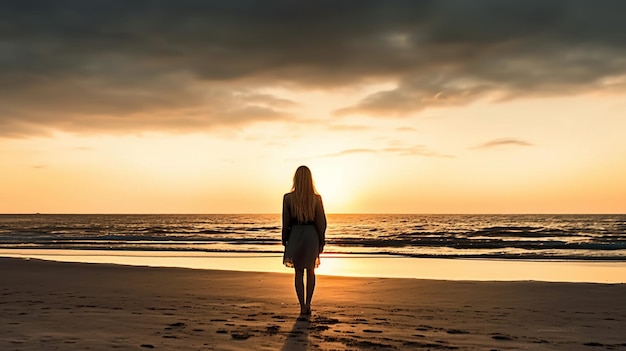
point(469, 236)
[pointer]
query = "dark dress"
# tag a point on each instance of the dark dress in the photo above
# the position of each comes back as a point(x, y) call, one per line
point(303, 241)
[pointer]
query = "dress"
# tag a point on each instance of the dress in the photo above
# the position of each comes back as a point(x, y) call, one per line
point(303, 241)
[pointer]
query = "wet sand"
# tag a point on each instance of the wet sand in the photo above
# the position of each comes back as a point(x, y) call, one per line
point(69, 306)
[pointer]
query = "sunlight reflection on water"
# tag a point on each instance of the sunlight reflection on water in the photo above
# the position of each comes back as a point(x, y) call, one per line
point(354, 265)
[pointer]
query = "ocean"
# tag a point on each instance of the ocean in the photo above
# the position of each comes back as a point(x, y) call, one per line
point(504, 237)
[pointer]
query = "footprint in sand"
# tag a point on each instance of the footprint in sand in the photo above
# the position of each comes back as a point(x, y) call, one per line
point(324, 320)
point(424, 327)
point(319, 328)
point(457, 331)
point(272, 329)
point(177, 325)
point(240, 336)
point(502, 337)
point(429, 345)
point(372, 331)
point(593, 344)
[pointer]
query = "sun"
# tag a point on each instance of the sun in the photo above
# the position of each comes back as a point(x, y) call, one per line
point(334, 183)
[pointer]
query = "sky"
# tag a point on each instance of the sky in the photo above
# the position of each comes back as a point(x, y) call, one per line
point(443, 106)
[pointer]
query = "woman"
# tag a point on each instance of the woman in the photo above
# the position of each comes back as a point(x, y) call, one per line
point(304, 227)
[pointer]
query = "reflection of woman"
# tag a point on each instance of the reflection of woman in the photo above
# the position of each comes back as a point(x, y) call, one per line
point(304, 227)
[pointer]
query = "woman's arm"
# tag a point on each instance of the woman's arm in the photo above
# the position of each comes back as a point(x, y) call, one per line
point(286, 221)
point(320, 222)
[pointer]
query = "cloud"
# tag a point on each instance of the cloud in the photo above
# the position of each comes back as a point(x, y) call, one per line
point(347, 127)
point(498, 50)
point(171, 104)
point(418, 150)
point(502, 142)
point(350, 152)
point(183, 65)
point(415, 151)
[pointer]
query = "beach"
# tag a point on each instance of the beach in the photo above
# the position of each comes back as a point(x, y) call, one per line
point(69, 306)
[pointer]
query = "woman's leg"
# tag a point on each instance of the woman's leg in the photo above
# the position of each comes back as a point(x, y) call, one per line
point(310, 286)
point(299, 283)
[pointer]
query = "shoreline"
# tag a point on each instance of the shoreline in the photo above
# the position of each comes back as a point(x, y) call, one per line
point(373, 266)
point(55, 305)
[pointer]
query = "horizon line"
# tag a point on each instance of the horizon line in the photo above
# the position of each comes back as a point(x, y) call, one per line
point(328, 213)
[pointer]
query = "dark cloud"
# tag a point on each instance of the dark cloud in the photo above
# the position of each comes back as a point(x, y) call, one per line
point(181, 65)
point(502, 142)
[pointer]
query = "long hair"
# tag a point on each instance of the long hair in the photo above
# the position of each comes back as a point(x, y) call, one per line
point(303, 195)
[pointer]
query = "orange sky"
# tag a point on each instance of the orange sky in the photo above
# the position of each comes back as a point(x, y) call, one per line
point(133, 111)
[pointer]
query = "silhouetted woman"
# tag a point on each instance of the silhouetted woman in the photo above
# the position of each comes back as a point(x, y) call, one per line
point(304, 227)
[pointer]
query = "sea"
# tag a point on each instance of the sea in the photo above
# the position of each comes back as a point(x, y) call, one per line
point(551, 248)
point(505, 237)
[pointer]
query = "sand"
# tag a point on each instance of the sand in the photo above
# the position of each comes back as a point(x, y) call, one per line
point(77, 306)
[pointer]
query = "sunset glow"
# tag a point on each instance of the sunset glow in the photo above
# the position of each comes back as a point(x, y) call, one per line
point(408, 114)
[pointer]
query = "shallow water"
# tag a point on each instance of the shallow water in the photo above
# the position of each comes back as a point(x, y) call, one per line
point(382, 266)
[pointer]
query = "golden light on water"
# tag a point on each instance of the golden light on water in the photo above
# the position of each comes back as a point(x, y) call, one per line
point(356, 265)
